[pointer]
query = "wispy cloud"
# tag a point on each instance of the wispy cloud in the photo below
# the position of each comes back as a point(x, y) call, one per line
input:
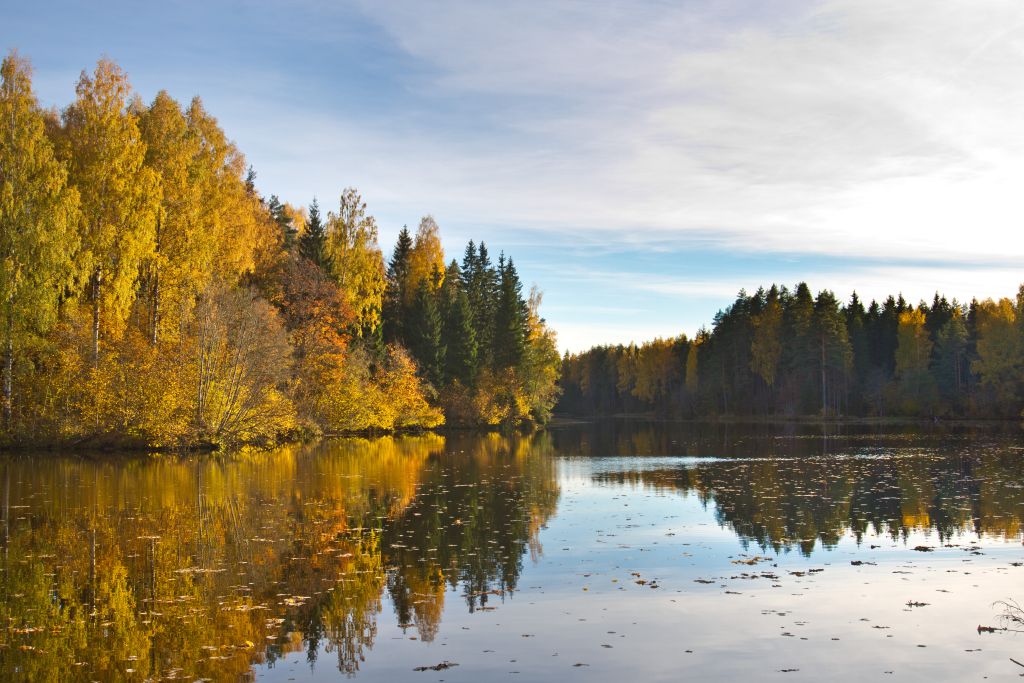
point(850, 126)
point(644, 158)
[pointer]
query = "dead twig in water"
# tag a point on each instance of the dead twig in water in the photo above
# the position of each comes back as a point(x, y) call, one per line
point(1013, 615)
point(437, 667)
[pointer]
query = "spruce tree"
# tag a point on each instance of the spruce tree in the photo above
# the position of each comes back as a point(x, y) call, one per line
point(424, 332)
point(311, 244)
point(459, 336)
point(510, 318)
point(481, 282)
point(396, 312)
point(279, 214)
point(834, 353)
point(250, 181)
point(802, 350)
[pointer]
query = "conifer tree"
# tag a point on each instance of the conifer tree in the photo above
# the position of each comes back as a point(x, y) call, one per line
point(425, 330)
point(311, 244)
point(951, 357)
point(250, 180)
point(802, 351)
point(481, 282)
point(510, 317)
point(396, 311)
point(834, 350)
point(766, 345)
point(279, 213)
point(459, 337)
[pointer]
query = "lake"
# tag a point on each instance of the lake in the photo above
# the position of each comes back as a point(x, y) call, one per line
point(619, 551)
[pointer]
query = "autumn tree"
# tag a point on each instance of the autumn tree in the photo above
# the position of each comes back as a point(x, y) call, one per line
point(38, 214)
point(172, 150)
point(119, 194)
point(284, 216)
point(913, 355)
point(355, 260)
point(426, 259)
point(1000, 344)
point(242, 359)
point(237, 232)
point(540, 366)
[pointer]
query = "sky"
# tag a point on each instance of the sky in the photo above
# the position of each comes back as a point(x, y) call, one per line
point(641, 161)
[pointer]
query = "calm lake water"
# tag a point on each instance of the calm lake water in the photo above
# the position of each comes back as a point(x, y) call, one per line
point(612, 552)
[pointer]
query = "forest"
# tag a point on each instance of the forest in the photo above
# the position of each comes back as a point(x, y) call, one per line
point(786, 353)
point(151, 297)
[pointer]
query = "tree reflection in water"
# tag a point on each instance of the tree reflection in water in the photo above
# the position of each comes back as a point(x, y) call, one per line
point(810, 484)
point(202, 567)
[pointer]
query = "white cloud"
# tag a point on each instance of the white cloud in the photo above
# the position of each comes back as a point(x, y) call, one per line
point(855, 127)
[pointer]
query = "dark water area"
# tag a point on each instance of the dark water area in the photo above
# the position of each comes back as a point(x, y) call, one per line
point(596, 552)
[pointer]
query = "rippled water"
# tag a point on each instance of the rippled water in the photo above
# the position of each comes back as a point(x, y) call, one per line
point(595, 553)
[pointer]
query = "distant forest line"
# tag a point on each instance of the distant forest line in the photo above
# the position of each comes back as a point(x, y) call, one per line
point(150, 296)
point(786, 353)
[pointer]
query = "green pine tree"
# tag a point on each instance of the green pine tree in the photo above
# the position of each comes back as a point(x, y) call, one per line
point(396, 312)
point(311, 244)
point(510, 317)
point(481, 284)
point(424, 333)
point(280, 216)
point(459, 336)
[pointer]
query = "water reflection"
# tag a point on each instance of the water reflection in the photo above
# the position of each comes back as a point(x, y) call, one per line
point(142, 568)
point(802, 485)
point(782, 504)
point(151, 568)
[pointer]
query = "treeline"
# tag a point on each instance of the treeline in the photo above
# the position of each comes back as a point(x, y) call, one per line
point(150, 295)
point(787, 353)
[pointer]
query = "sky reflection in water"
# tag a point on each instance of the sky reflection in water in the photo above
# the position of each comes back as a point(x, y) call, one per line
point(612, 552)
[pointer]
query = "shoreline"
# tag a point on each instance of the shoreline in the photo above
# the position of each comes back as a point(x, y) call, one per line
point(128, 447)
point(570, 420)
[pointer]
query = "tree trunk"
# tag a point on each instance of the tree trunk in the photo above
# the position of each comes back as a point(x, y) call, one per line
point(154, 318)
point(155, 312)
point(97, 281)
point(9, 370)
point(824, 392)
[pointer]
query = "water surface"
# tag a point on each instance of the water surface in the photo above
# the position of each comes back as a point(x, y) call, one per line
point(619, 551)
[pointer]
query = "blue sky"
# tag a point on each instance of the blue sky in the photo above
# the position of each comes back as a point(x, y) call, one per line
point(641, 161)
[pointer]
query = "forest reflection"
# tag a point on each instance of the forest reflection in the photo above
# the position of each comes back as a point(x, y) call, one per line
point(146, 568)
point(202, 567)
point(808, 486)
